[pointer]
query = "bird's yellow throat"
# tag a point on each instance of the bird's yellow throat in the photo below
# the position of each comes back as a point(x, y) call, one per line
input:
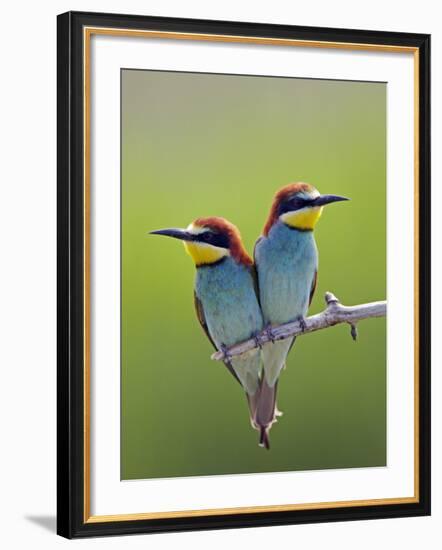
point(203, 254)
point(304, 219)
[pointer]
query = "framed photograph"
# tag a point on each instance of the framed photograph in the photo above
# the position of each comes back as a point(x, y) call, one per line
point(239, 205)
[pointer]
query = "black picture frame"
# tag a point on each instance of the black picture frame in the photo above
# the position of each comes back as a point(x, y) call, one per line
point(72, 521)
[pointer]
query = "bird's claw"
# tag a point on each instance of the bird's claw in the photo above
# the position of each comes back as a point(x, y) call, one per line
point(225, 351)
point(258, 342)
point(270, 334)
point(302, 323)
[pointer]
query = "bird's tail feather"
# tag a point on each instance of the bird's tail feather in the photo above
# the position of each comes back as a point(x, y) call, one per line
point(252, 401)
point(264, 438)
point(265, 413)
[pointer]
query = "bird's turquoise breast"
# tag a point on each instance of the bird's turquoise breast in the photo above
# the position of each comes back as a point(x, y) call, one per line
point(229, 301)
point(286, 262)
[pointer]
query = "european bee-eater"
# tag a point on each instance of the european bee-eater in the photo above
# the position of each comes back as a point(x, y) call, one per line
point(226, 300)
point(286, 260)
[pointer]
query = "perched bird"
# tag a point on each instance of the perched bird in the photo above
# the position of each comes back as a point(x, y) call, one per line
point(286, 261)
point(225, 293)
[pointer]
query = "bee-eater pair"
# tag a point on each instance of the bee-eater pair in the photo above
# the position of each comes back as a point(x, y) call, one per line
point(236, 298)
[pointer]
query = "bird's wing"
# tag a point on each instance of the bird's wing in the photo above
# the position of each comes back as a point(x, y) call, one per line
point(254, 271)
point(312, 291)
point(254, 275)
point(258, 240)
point(202, 320)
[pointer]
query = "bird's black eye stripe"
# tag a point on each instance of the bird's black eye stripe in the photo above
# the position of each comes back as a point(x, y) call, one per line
point(295, 203)
point(215, 239)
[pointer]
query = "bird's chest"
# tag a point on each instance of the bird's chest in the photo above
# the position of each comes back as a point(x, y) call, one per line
point(229, 301)
point(287, 262)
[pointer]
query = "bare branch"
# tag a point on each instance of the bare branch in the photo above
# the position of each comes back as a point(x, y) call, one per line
point(333, 314)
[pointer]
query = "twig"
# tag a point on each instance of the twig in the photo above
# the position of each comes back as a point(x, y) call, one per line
point(333, 314)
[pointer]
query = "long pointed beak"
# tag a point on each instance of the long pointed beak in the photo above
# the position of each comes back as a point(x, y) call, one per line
point(176, 233)
point(322, 200)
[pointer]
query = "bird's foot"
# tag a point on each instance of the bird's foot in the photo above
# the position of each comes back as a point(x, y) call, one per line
point(302, 323)
point(225, 350)
point(269, 333)
point(258, 341)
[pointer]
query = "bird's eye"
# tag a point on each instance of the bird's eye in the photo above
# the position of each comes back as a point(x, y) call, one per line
point(215, 239)
point(209, 237)
point(298, 202)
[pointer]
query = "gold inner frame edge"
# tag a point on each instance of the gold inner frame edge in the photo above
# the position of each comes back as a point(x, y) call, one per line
point(87, 33)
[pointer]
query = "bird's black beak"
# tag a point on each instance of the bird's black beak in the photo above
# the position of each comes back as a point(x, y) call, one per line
point(322, 200)
point(181, 234)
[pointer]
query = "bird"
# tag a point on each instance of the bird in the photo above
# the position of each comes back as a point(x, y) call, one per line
point(286, 261)
point(225, 295)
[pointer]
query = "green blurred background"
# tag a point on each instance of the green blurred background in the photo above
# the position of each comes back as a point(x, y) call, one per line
point(203, 145)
